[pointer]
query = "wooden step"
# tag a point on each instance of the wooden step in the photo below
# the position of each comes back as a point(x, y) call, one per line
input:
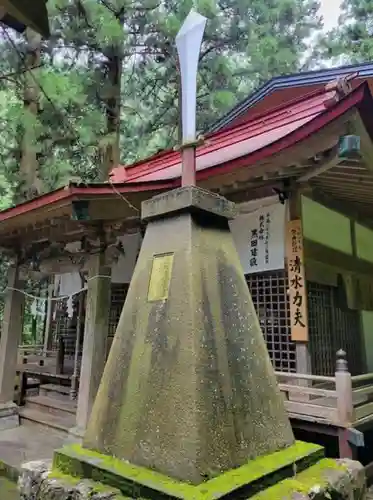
point(51, 405)
point(34, 418)
point(54, 390)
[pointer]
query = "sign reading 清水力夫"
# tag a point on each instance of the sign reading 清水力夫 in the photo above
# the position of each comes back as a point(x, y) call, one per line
point(259, 238)
point(297, 282)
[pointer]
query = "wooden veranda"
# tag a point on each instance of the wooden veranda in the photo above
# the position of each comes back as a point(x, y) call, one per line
point(339, 405)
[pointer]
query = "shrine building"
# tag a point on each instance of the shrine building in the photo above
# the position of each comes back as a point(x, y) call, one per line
point(297, 158)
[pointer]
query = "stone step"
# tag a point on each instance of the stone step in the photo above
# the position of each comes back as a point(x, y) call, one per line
point(52, 405)
point(54, 390)
point(34, 418)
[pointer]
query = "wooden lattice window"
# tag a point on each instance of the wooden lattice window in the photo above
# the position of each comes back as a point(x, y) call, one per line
point(118, 296)
point(332, 326)
point(269, 294)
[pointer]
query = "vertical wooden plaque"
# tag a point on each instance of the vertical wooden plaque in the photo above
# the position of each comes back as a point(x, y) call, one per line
point(297, 281)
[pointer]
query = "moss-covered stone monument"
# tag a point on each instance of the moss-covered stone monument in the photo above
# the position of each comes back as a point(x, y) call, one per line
point(188, 407)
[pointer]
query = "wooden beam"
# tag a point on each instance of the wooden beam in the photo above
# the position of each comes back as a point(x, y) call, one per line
point(300, 152)
point(339, 183)
point(340, 206)
point(331, 161)
point(321, 253)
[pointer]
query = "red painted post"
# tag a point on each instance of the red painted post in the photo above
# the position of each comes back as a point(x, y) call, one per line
point(188, 175)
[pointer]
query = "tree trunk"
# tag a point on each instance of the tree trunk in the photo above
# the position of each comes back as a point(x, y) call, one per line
point(110, 153)
point(30, 182)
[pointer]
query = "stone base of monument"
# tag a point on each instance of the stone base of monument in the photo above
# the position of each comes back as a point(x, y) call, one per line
point(298, 473)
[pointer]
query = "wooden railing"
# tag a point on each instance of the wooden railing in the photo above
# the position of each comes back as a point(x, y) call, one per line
point(310, 397)
point(342, 401)
point(362, 390)
point(36, 356)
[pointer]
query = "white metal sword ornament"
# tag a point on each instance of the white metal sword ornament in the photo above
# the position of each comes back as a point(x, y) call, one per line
point(188, 44)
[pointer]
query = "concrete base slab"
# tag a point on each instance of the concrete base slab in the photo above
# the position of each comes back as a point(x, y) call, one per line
point(9, 416)
point(326, 480)
point(19, 445)
point(137, 482)
point(269, 478)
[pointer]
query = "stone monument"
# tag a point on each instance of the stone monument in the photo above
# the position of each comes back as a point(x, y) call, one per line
point(188, 406)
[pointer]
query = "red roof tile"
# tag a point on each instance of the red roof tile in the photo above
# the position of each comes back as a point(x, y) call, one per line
point(241, 141)
point(239, 147)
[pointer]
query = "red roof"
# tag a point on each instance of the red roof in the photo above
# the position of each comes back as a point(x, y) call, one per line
point(241, 146)
point(247, 143)
point(73, 192)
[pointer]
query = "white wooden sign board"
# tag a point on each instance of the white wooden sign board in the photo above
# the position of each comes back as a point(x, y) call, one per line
point(260, 238)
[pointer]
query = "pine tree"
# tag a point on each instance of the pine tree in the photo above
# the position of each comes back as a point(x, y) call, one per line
point(352, 40)
point(31, 184)
point(245, 44)
point(109, 81)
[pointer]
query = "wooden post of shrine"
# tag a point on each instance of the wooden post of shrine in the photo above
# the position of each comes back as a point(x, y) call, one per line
point(297, 286)
point(11, 333)
point(94, 340)
point(79, 331)
point(345, 406)
point(48, 324)
point(297, 291)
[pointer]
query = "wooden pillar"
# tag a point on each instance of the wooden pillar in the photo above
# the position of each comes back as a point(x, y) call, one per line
point(79, 331)
point(11, 334)
point(297, 292)
point(94, 340)
point(302, 357)
point(345, 406)
point(48, 324)
point(303, 361)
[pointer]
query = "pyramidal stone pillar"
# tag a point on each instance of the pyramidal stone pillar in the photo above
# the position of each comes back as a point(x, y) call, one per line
point(188, 388)
point(188, 406)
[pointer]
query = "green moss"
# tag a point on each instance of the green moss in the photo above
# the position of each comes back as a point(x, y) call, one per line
point(74, 481)
point(73, 460)
point(298, 456)
point(8, 490)
point(303, 482)
point(65, 478)
point(9, 471)
point(133, 480)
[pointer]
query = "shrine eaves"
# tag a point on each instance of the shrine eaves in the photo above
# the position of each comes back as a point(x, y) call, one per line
point(22, 14)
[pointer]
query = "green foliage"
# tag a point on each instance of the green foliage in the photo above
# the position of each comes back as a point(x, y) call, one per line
point(246, 42)
point(352, 40)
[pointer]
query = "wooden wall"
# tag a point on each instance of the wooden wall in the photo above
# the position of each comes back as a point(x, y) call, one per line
point(336, 243)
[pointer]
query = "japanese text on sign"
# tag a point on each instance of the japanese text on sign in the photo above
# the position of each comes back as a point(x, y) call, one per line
point(297, 283)
point(259, 240)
